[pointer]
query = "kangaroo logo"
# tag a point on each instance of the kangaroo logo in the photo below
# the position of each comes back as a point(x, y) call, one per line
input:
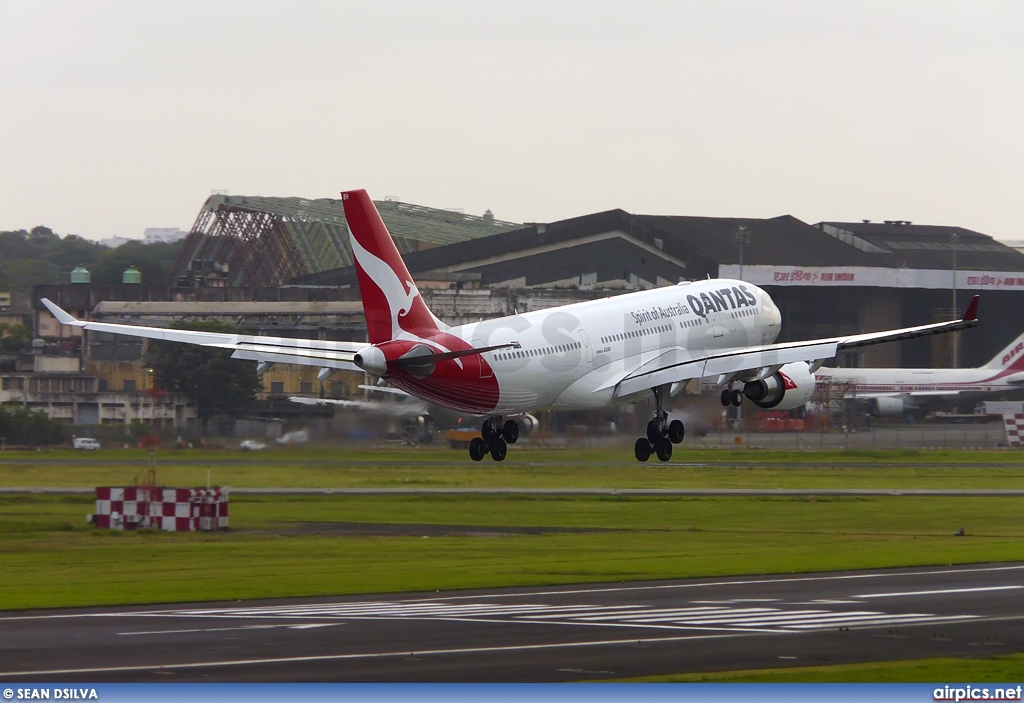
point(398, 295)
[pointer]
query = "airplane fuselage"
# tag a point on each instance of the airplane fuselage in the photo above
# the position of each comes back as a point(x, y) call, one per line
point(872, 382)
point(570, 357)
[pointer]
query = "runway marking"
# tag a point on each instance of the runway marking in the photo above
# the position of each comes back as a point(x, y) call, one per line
point(737, 600)
point(762, 619)
point(932, 593)
point(231, 629)
point(735, 582)
point(367, 655)
point(582, 591)
point(725, 618)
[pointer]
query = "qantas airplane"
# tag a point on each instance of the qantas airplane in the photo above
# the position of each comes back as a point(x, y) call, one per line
point(585, 355)
point(893, 391)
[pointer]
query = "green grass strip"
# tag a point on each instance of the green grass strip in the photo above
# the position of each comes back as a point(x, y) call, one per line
point(1005, 669)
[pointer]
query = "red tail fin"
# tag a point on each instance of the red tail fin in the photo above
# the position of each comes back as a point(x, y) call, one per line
point(1010, 358)
point(391, 301)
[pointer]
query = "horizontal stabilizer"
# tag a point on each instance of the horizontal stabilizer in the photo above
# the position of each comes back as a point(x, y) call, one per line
point(408, 362)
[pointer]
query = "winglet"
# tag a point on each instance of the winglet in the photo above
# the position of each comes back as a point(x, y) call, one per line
point(972, 310)
point(63, 317)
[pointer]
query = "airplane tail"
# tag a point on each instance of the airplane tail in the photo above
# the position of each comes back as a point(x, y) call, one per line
point(1010, 358)
point(391, 301)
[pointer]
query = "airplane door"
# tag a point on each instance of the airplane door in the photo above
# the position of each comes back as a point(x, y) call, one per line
point(586, 344)
point(717, 325)
point(485, 368)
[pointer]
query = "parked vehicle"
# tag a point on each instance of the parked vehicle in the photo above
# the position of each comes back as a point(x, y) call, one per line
point(85, 443)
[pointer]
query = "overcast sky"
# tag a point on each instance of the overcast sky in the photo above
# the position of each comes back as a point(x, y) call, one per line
point(117, 116)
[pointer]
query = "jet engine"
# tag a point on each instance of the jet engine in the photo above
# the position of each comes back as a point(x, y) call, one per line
point(527, 423)
point(788, 388)
point(377, 358)
point(887, 407)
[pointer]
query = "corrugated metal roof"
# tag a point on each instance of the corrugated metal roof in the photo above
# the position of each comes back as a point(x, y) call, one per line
point(901, 244)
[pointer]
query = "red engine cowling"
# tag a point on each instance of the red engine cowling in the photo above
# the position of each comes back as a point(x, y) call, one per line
point(788, 388)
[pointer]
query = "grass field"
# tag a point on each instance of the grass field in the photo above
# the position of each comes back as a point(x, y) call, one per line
point(1005, 669)
point(310, 545)
point(303, 545)
point(526, 467)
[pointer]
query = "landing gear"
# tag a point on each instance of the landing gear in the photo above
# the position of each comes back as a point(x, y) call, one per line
point(642, 449)
point(663, 449)
point(510, 431)
point(477, 449)
point(732, 397)
point(661, 434)
point(498, 449)
point(494, 439)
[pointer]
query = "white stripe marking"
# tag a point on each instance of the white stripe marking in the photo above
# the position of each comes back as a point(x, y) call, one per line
point(933, 593)
point(230, 629)
point(618, 589)
point(884, 620)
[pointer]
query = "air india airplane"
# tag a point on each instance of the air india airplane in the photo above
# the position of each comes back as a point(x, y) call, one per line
point(895, 391)
point(580, 356)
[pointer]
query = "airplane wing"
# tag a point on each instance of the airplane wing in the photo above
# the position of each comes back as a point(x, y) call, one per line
point(681, 365)
point(399, 409)
point(287, 350)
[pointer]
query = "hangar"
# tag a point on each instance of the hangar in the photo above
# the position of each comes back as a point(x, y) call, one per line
point(828, 279)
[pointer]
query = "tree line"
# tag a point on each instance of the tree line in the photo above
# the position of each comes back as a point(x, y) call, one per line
point(39, 255)
point(20, 426)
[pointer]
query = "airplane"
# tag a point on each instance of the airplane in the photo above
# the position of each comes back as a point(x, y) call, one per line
point(894, 391)
point(580, 356)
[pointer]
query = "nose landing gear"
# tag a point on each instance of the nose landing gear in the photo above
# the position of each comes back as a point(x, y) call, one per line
point(661, 434)
point(494, 440)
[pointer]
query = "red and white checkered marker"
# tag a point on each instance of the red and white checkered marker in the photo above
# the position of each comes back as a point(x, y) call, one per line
point(1014, 426)
point(168, 509)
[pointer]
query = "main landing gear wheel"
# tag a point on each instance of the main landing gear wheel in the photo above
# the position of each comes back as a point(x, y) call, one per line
point(477, 449)
point(664, 449)
point(732, 397)
point(498, 449)
point(661, 434)
point(642, 449)
point(510, 431)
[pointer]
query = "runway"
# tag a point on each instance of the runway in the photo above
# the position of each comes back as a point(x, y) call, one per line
point(572, 633)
